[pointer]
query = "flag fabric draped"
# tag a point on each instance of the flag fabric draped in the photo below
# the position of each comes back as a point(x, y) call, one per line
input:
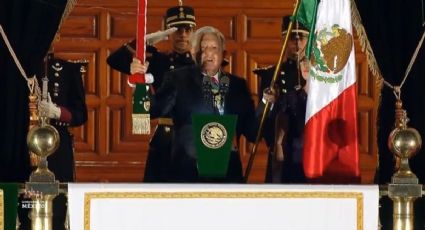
point(331, 141)
point(306, 15)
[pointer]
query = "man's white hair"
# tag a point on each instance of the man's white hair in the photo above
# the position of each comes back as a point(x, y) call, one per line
point(199, 34)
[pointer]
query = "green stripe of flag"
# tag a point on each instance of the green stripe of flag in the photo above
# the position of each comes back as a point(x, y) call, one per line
point(306, 15)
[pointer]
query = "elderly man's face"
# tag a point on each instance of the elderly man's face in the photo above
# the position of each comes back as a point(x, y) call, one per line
point(211, 54)
point(181, 39)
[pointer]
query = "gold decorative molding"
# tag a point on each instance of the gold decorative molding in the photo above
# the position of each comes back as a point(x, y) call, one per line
point(1, 210)
point(89, 196)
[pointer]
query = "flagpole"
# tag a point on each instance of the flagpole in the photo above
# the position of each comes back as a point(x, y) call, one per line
point(141, 103)
point(268, 104)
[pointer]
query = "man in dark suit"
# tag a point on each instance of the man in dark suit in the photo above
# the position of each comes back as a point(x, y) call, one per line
point(204, 88)
point(182, 18)
point(283, 130)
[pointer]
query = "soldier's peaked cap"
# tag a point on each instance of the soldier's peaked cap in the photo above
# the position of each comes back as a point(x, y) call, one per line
point(180, 16)
point(296, 26)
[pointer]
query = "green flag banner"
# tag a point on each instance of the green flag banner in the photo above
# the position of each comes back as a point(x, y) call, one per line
point(141, 106)
point(213, 135)
point(8, 205)
point(306, 15)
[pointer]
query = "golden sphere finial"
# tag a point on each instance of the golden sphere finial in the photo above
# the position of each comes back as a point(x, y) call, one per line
point(43, 139)
point(404, 142)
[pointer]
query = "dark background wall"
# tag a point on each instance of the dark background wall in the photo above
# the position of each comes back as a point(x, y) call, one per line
point(395, 28)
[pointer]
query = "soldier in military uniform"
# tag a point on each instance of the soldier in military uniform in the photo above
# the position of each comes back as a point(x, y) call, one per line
point(182, 18)
point(66, 107)
point(283, 130)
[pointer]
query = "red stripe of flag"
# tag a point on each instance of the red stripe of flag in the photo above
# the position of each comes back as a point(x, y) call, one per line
point(330, 144)
point(140, 40)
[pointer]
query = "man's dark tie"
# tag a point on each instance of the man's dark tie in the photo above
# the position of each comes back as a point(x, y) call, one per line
point(214, 85)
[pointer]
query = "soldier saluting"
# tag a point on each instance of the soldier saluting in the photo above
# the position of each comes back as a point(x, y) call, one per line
point(180, 23)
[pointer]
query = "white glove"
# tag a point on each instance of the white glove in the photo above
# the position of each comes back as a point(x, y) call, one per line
point(158, 36)
point(49, 109)
point(269, 95)
point(136, 66)
point(148, 80)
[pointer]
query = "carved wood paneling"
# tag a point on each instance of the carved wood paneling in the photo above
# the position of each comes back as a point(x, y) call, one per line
point(106, 150)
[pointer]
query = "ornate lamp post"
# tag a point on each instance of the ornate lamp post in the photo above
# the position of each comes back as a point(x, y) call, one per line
point(404, 142)
point(43, 140)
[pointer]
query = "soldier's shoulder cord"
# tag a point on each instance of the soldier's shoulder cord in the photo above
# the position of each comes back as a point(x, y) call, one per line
point(263, 69)
point(83, 63)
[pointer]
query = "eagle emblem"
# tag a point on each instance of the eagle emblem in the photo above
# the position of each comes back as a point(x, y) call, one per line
point(331, 50)
point(213, 135)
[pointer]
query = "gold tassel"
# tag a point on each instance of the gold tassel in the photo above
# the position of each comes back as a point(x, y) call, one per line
point(364, 41)
point(141, 123)
point(367, 49)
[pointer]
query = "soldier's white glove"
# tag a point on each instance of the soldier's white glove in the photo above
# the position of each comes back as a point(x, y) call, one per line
point(49, 109)
point(136, 66)
point(158, 36)
point(148, 80)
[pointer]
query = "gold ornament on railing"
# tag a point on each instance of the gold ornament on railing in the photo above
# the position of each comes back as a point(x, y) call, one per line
point(404, 142)
point(42, 140)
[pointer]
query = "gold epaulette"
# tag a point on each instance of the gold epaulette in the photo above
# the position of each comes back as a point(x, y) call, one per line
point(84, 64)
point(165, 121)
point(261, 69)
point(83, 61)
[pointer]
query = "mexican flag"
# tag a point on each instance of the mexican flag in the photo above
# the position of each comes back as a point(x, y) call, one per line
point(330, 144)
